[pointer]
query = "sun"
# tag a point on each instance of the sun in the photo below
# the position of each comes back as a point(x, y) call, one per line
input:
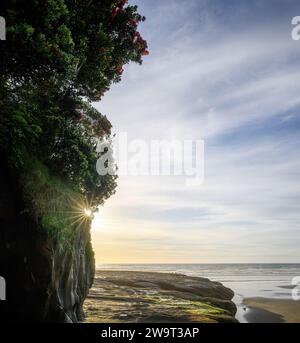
point(87, 212)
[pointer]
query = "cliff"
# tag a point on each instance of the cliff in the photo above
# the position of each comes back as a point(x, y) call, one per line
point(127, 296)
point(48, 265)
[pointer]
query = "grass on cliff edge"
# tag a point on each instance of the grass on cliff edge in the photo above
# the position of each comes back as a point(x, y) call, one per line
point(55, 205)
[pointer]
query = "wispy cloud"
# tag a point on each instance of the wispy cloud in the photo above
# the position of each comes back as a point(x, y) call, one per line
point(235, 83)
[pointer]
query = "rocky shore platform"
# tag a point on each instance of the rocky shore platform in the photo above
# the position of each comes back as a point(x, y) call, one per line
point(146, 297)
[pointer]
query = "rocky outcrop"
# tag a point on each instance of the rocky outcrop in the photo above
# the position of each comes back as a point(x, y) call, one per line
point(126, 296)
point(47, 280)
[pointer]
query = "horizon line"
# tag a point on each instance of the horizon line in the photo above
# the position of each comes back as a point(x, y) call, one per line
point(174, 263)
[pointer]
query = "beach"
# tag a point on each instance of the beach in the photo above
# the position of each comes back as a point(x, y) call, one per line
point(152, 297)
point(262, 292)
point(268, 310)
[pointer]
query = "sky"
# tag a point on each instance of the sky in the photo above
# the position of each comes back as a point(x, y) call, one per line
point(226, 72)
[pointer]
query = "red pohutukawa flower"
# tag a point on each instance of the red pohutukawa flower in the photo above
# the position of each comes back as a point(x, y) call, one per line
point(133, 22)
point(120, 70)
point(137, 39)
point(115, 12)
point(145, 52)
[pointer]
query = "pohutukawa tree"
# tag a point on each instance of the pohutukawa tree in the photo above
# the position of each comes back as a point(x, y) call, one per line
point(59, 56)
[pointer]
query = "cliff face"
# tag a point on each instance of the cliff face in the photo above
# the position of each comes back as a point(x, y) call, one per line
point(46, 279)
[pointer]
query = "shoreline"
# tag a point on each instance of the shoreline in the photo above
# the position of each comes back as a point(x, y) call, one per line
point(271, 310)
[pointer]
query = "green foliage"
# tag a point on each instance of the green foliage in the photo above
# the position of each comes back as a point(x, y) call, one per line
point(75, 155)
point(81, 44)
point(58, 57)
point(20, 129)
point(54, 204)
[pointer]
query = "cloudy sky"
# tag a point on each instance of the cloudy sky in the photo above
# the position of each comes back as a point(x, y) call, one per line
point(226, 72)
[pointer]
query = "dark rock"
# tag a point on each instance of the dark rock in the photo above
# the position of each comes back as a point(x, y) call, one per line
point(46, 281)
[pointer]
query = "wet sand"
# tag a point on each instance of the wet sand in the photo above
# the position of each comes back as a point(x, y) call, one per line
point(267, 310)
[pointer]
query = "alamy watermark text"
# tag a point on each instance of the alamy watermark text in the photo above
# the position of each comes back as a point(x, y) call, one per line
point(296, 28)
point(2, 29)
point(153, 158)
point(2, 288)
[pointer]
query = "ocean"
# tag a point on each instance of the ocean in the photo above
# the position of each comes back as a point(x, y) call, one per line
point(246, 280)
